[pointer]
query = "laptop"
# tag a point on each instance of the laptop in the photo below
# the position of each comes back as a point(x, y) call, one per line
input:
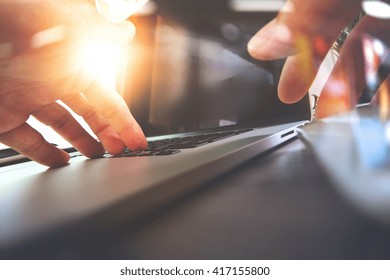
point(205, 107)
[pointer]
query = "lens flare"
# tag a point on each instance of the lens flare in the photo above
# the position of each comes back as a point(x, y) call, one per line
point(101, 60)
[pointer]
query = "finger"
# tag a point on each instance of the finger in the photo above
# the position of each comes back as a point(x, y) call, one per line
point(301, 69)
point(308, 29)
point(30, 143)
point(109, 138)
point(273, 35)
point(117, 114)
point(296, 78)
point(64, 124)
point(302, 19)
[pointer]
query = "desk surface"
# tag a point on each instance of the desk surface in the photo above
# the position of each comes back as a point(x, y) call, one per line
point(278, 206)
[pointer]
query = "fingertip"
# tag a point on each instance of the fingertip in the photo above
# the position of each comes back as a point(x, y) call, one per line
point(296, 78)
point(288, 100)
point(51, 157)
point(114, 146)
point(274, 41)
point(111, 141)
point(290, 94)
point(255, 47)
point(135, 140)
point(291, 91)
point(57, 160)
point(142, 142)
point(141, 139)
point(98, 152)
point(138, 143)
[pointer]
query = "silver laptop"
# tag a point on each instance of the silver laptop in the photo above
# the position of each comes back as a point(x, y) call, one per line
point(205, 107)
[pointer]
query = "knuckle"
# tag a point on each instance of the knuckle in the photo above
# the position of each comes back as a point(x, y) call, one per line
point(11, 121)
point(90, 112)
point(60, 122)
point(99, 130)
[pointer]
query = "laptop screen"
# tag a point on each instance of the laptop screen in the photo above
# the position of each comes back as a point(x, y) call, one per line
point(191, 71)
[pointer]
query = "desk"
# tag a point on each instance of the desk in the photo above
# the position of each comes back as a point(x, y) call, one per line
point(278, 206)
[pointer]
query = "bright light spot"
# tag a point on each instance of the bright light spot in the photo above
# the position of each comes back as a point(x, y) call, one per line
point(47, 37)
point(101, 60)
point(118, 10)
point(337, 88)
point(387, 129)
point(379, 48)
point(283, 33)
point(377, 9)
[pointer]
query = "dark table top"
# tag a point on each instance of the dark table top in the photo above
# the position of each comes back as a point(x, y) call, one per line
point(278, 206)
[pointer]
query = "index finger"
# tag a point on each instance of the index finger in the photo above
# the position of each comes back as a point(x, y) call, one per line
point(302, 19)
point(305, 30)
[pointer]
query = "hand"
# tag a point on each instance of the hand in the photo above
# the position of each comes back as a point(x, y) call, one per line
point(305, 30)
point(46, 51)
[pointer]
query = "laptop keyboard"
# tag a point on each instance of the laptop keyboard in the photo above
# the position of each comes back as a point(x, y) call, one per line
point(164, 147)
point(175, 145)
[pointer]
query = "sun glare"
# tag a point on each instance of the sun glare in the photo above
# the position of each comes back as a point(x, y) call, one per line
point(102, 60)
